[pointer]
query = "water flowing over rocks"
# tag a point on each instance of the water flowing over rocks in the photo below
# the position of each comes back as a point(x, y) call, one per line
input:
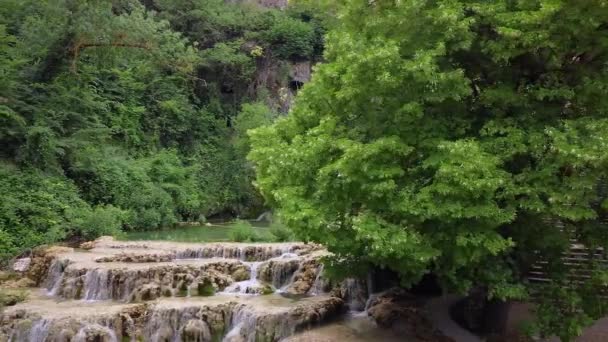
point(162, 291)
point(261, 318)
point(129, 282)
point(278, 272)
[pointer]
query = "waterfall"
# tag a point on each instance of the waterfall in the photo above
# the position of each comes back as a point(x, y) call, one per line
point(55, 276)
point(184, 324)
point(40, 330)
point(281, 271)
point(94, 332)
point(243, 326)
point(318, 287)
point(246, 253)
point(265, 216)
point(96, 285)
point(355, 294)
point(288, 255)
point(250, 285)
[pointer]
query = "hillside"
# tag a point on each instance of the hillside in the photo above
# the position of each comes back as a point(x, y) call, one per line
point(128, 115)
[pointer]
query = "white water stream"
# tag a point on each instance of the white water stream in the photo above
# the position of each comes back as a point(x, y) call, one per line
point(249, 286)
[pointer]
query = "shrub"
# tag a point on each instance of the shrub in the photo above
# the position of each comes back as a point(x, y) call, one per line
point(242, 231)
point(290, 38)
point(36, 209)
point(281, 233)
point(102, 220)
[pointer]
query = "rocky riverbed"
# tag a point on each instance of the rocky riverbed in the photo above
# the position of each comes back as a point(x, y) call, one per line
point(159, 291)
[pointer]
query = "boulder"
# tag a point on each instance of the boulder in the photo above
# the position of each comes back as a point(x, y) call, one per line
point(304, 278)
point(398, 310)
point(10, 297)
point(87, 245)
point(241, 274)
point(22, 265)
point(42, 257)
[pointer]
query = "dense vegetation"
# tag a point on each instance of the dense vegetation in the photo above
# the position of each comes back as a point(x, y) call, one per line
point(127, 115)
point(462, 137)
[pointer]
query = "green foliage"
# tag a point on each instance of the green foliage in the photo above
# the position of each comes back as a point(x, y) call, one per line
point(37, 209)
point(205, 288)
point(101, 220)
point(280, 233)
point(243, 231)
point(252, 115)
point(290, 38)
point(466, 138)
point(129, 110)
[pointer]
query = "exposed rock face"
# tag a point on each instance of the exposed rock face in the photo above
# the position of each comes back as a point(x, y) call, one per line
point(247, 253)
point(236, 319)
point(142, 284)
point(400, 311)
point(304, 278)
point(300, 72)
point(42, 258)
point(137, 258)
point(354, 292)
point(22, 265)
point(278, 272)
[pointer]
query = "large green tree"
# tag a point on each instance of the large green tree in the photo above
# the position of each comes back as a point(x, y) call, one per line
point(467, 138)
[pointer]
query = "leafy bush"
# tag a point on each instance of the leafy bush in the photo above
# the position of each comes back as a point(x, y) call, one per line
point(102, 220)
point(34, 209)
point(243, 231)
point(290, 38)
point(281, 233)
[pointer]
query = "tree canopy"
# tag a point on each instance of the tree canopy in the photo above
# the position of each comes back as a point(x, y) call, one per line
point(460, 137)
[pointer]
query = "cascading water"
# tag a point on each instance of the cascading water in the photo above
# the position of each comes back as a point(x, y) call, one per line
point(40, 330)
point(94, 332)
point(243, 324)
point(140, 300)
point(96, 285)
point(247, 253)
point(283, 274)
point(249, 286)
point(355, 294)
point(318, 287)
point(55, 276)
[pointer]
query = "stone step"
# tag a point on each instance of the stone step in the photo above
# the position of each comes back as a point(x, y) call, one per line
point(109, 249)
point(70, 279)
point(103, 273)
point(234, 318)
